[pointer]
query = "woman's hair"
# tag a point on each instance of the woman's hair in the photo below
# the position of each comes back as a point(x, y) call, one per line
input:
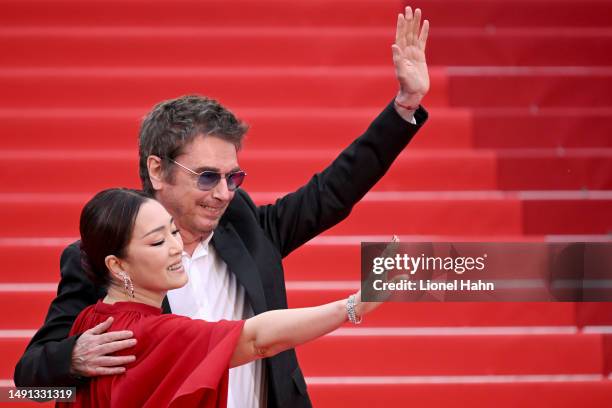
point(106, 226)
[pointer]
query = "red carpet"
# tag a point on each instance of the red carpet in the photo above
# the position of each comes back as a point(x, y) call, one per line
point(517, 148)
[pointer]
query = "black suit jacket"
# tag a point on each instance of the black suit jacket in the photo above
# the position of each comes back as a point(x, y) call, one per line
point(252, 240)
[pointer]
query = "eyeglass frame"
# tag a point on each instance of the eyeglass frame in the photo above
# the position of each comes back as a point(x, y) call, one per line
point(227, 175)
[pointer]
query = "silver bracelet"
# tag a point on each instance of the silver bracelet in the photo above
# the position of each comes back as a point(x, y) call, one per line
point(350, 310)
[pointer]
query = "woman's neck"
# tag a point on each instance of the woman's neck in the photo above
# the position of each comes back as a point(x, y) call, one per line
point(116, 294)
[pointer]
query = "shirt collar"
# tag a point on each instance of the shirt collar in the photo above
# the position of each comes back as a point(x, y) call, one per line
point(202, 249)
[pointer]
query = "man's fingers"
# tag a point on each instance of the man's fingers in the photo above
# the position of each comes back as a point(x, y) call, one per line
point(115, 336)
point(400, 39)
point(102, 327)
point(424, 35)
point(115, 346)
point(109, 370)
point(416, 26)
point(114, 361)
point(408, 26)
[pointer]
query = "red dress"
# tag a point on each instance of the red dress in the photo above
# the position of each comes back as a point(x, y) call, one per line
point(180, 362)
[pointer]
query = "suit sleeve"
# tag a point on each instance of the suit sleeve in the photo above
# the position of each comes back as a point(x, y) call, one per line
point(330, 195)
point(46, 360)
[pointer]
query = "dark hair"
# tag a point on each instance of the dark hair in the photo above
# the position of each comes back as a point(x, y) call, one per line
point(174, 123)
point(106, 226)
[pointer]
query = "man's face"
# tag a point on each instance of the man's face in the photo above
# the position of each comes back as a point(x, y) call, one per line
point(196, 211)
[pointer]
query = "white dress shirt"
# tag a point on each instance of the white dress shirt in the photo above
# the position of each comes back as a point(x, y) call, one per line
point(213, 293)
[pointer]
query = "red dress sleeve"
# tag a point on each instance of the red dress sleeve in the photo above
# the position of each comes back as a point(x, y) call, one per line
point(179, 363)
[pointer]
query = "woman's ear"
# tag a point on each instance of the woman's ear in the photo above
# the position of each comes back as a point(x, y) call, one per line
point(154, 166)
point(115, 267)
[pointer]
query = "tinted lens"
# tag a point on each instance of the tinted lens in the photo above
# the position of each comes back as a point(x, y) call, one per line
point(208, 180)
point(234, 180)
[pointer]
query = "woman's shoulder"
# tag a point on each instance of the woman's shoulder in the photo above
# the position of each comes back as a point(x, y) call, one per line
point(124, 314)
point(171, 327)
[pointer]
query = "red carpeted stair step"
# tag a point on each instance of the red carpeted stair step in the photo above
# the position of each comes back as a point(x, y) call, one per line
point(529, 87)
point(414, 170)
point(547, 127)
point(458, 13)
point(282, 128)
point(244, 13)
point(270, 87)
point(38, 259)
point(99, 46)
point(418, 213)
point(531, 392)
point(301, 88)
point(33, 301)
point(58, 216)
point(298, 128)
point(348, 353)
point(73, 171)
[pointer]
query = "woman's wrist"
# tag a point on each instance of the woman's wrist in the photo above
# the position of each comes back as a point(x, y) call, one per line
point(352, 312)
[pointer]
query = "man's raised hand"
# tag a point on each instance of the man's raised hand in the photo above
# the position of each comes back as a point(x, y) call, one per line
point(409, 58)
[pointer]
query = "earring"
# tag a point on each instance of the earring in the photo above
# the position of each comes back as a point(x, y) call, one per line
point(128, 285)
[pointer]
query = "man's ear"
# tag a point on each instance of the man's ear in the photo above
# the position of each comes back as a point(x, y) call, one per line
point(115, 267)
point(154, 167)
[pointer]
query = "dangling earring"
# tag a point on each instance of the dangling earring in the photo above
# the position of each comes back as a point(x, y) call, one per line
point(128, 285)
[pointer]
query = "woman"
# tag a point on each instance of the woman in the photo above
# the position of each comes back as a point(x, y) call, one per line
point(130, 245)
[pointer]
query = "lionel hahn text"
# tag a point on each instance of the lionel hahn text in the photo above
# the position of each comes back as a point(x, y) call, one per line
point(428, 285)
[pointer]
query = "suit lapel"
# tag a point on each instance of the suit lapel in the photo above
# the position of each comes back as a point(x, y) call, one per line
point(230, 248)
point(166, 305)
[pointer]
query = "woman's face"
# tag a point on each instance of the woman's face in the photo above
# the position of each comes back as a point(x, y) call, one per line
point(153, 256)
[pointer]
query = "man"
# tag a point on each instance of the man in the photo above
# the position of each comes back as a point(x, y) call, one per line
point(233, 248)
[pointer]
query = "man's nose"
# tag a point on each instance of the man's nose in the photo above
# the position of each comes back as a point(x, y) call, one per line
point(221, 192)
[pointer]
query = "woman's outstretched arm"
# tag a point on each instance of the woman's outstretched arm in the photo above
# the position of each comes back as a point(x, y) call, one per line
point(271, 332)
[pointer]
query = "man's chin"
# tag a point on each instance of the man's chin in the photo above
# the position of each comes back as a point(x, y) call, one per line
point(207, 226)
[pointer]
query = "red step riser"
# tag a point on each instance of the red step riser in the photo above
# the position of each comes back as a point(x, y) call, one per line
point(506, 395)
point(52, 219)
point(419, 217)
point(450, 129)
point(443, 14)
point(565, 129)
point(300, 130)
point(451, 355)
point(40, 263)
point(470, 170)
point(427, 355)
point(138, 91)
point(227, 47)
point(551, 217)
point(201, 14)
point(554, 173)
point(290, 172)
point(34, 307)
point(457, 314)
point(530, 90)
point(422, 217)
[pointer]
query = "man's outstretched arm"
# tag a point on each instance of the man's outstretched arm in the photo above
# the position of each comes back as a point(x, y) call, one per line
point(330, 195)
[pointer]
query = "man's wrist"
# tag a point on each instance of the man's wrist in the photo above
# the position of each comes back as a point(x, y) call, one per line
point(406, 106)
point(406, 114)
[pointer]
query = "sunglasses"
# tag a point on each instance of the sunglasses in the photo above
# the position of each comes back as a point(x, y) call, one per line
point(207, 180)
